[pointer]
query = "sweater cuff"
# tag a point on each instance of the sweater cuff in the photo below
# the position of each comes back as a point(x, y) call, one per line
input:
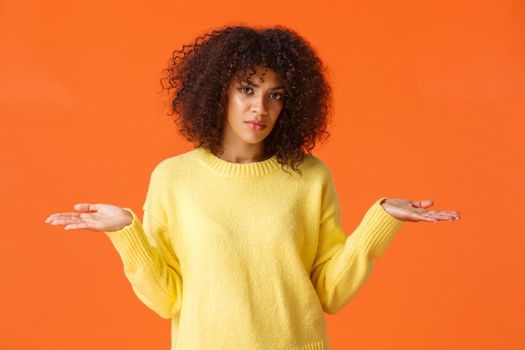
point(132, 244)
point(378, 229)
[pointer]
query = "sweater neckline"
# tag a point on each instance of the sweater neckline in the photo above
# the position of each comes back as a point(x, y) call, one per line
point(237, 169)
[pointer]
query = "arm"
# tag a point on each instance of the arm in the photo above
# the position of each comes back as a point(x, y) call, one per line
point(149, 264)
point(343, 263)
point(148, 258)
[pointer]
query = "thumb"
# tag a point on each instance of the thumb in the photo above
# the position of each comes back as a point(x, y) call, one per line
point(85, 207)
point(425, 203)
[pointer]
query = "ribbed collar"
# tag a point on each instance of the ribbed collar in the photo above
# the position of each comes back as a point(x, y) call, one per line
point(236, 169)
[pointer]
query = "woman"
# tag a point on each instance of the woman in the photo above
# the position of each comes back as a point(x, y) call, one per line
point(236, 249)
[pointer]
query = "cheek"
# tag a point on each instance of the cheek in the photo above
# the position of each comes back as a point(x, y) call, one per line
point(277, 111)
point(234, 110)
point(238, 104)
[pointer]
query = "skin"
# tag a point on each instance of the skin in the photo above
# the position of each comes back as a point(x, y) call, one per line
point(262, 102)
point(415, 210)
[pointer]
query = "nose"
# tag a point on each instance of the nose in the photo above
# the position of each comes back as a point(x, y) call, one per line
point(259, 106)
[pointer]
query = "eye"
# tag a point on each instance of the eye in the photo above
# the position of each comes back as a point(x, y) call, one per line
point(243, 89)
point(280, 96)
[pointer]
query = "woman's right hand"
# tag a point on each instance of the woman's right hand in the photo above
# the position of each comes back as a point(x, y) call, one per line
point(93, 217)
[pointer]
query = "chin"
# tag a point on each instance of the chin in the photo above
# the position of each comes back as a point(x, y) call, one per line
point(252, 141)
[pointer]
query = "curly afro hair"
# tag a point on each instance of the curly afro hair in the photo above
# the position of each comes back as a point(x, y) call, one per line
point(198, 75)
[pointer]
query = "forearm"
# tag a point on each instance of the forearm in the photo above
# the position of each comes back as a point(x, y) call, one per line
point(157, 284)
point(341, 277)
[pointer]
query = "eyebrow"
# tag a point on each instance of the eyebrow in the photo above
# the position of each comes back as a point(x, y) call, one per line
point(253, 84)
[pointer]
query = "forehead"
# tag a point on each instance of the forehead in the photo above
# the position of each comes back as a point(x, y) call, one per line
point(262, 74)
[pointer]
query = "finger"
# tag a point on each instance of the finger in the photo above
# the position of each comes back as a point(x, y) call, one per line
point(65, 221)
point(444, 212)
point(51, 217)
point(454, 213)
point(59, 215)
point(440, 216)
point(63, 216)
point(81, 225)
point(451, 214)
point(423, 203)
point(66, 218)
point(422, 217)
point(436, 213)
point(86, 207)
point(429, 212)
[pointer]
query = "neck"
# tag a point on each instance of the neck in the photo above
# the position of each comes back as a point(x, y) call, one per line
point(247, 154)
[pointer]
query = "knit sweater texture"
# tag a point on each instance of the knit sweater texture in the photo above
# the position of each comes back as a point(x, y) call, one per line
point(246, 255)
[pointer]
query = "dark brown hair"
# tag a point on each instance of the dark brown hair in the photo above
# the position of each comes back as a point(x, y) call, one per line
point(198, 75)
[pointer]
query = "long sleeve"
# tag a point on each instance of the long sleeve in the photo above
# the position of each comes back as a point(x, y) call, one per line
point(343, 263)
point(149, 261)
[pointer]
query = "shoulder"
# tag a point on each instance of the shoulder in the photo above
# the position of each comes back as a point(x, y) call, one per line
point(172, 166)
point(315, 166)
point(315, 172)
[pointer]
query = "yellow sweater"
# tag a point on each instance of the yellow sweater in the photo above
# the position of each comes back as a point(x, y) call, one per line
point(245, 255)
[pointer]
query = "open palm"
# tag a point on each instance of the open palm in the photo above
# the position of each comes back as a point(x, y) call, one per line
point(93, 217)
point(412, 210)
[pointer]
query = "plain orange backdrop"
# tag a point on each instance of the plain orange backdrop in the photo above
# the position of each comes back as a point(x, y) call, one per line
point(429, 104)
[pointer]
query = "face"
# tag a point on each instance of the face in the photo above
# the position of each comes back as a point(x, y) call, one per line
point(258, 100)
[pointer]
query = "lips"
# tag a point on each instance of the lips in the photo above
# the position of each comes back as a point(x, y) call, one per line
point(255, 123)
point(255, 126)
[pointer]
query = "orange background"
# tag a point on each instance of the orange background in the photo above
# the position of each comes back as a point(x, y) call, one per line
point(429, 104)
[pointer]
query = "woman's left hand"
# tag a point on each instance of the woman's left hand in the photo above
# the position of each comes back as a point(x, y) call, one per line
point(409, 210)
